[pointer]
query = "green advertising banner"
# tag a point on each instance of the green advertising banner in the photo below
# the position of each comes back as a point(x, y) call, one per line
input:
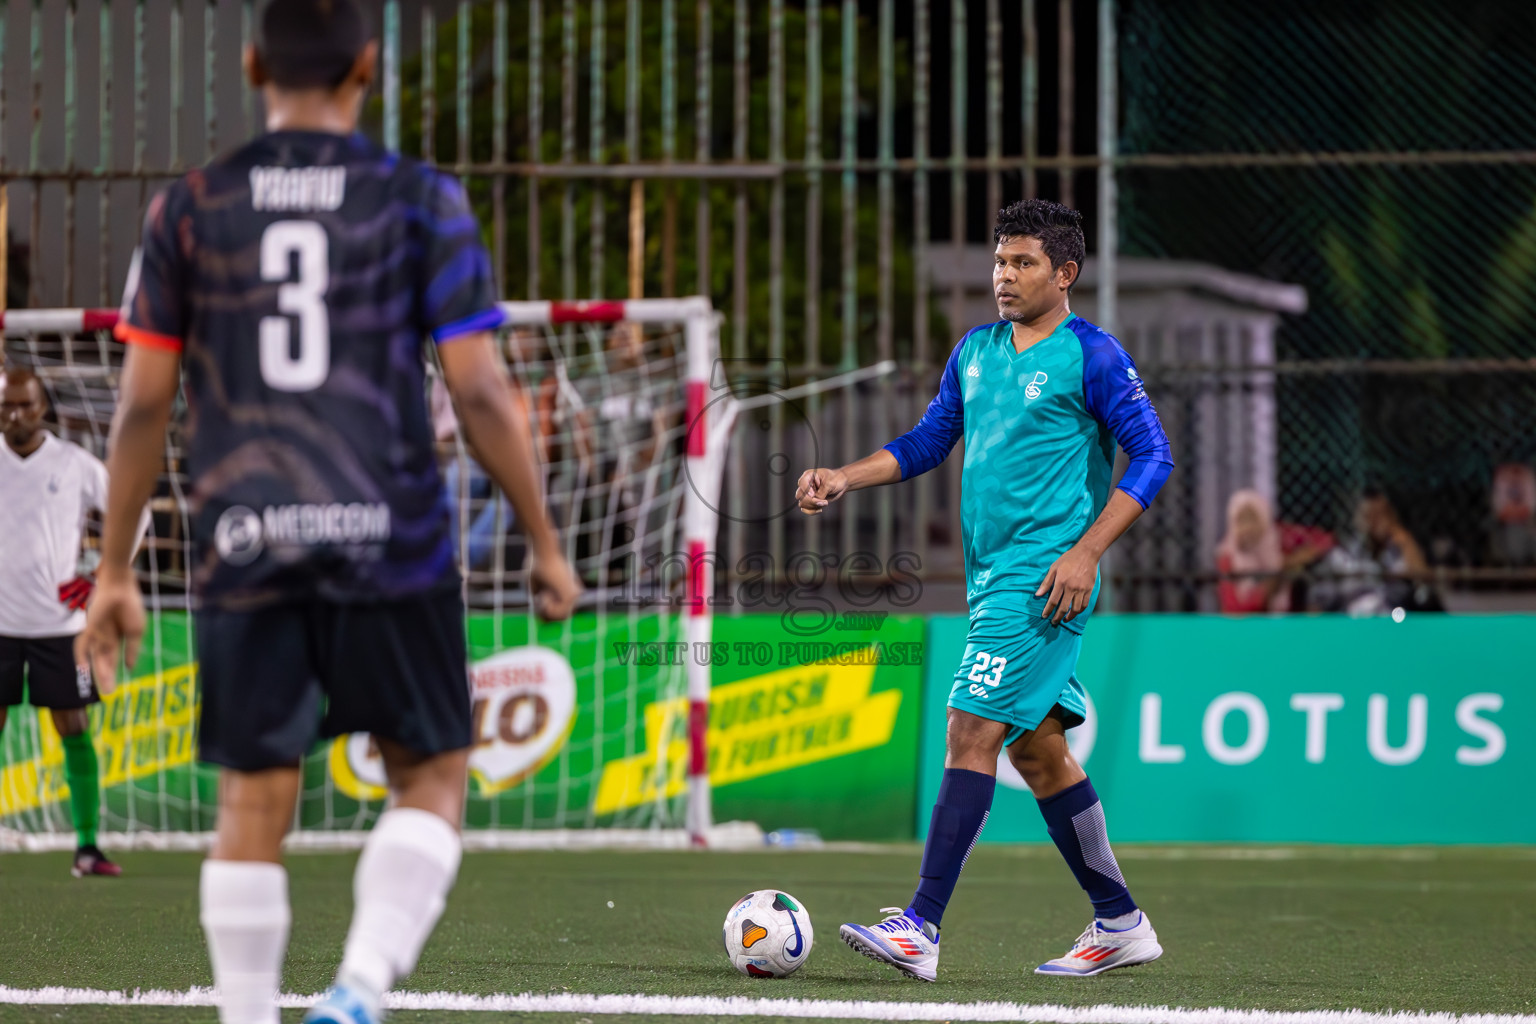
point(577, 724)
point(845, 762)
point(1296, 729)
point(145, 735)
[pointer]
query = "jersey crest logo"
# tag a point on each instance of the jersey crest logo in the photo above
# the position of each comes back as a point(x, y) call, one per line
point(53, 485)
point(974, 371)
point(237, 537)
point(1032, 389)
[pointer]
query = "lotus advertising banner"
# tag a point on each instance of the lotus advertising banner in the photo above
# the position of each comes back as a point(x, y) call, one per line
point(1295, 729)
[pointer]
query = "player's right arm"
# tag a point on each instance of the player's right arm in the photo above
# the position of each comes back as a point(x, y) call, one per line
point(912, 454)
point(458, 301)
point(820, 487)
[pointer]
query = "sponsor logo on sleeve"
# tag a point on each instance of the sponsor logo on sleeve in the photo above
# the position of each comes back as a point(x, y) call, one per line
point(1138, 392)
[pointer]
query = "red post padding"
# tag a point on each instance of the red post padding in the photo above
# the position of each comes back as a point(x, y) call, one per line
point(585, 312)
point(57, 321)
point(698, 428)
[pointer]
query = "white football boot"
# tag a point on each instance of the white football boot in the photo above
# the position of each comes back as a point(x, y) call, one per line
point(1099, 949)
point(899, 941)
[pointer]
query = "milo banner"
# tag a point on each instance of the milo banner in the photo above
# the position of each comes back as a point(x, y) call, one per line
point(579, 726)
point(576, 724)
point(1298, 729)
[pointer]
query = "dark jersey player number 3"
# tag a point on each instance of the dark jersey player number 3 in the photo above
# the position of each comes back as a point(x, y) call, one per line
point(299, 272)
point(289, 288)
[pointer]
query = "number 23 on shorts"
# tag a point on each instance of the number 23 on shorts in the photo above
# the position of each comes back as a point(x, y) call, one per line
point(985, 671)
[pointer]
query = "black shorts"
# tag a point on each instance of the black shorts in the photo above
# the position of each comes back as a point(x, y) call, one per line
point(47, 665)
point(276, 679)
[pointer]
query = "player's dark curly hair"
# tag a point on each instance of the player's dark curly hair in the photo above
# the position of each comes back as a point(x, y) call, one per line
point(1059, 228)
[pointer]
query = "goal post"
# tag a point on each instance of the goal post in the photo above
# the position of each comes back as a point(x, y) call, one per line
point(707, 427)
point(634, 432)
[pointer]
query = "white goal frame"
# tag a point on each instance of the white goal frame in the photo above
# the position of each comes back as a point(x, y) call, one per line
point(707, 442)
point(707, 431)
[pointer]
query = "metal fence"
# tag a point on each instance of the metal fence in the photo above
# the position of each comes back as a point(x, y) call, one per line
point(1380, 155)
point(1433, 436)
point(821, 169)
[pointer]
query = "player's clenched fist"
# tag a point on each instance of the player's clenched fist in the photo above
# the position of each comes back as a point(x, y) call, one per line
point(818, 488)
point(555, 586)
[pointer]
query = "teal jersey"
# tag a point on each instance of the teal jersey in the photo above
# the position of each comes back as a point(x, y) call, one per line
point(1040, 429)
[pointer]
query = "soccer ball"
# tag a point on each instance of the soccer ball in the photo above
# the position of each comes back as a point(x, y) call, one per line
point(768, 934)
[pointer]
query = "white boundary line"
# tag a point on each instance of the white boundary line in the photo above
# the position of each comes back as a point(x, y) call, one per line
point(747, 1006)
point(730, 835)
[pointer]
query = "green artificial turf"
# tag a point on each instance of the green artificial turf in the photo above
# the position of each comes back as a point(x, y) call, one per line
point(1281, 929)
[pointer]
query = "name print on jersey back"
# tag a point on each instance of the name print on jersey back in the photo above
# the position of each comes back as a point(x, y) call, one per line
point(298, 188)
point(300, 276)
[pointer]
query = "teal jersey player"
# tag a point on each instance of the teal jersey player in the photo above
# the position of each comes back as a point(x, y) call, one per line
point(1040, 428)
point(1042, 399)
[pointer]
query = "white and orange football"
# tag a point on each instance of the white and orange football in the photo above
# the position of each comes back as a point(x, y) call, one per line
point(768, 934)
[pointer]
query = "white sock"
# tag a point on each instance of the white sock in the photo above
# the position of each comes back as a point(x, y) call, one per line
point(245, 916)
point(408, 865)
point(1123, 922)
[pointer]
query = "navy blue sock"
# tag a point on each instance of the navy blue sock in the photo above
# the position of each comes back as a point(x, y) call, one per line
point(965, 800)
point(1075, 819)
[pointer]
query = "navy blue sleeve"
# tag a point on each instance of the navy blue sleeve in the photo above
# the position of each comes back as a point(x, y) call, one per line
point(458, 289)
point(154, 296)
point(1114, 394)
point(930, 442)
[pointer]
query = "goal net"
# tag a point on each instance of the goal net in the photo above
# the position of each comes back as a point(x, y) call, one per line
point(592, 730)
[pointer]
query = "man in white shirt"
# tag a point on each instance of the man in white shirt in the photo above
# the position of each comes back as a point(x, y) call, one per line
point(48, 485)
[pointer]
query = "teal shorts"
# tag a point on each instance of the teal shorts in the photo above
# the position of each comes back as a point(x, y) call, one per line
point(1016, 668)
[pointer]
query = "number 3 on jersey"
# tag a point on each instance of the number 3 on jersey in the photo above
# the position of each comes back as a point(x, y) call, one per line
point(283, 366)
